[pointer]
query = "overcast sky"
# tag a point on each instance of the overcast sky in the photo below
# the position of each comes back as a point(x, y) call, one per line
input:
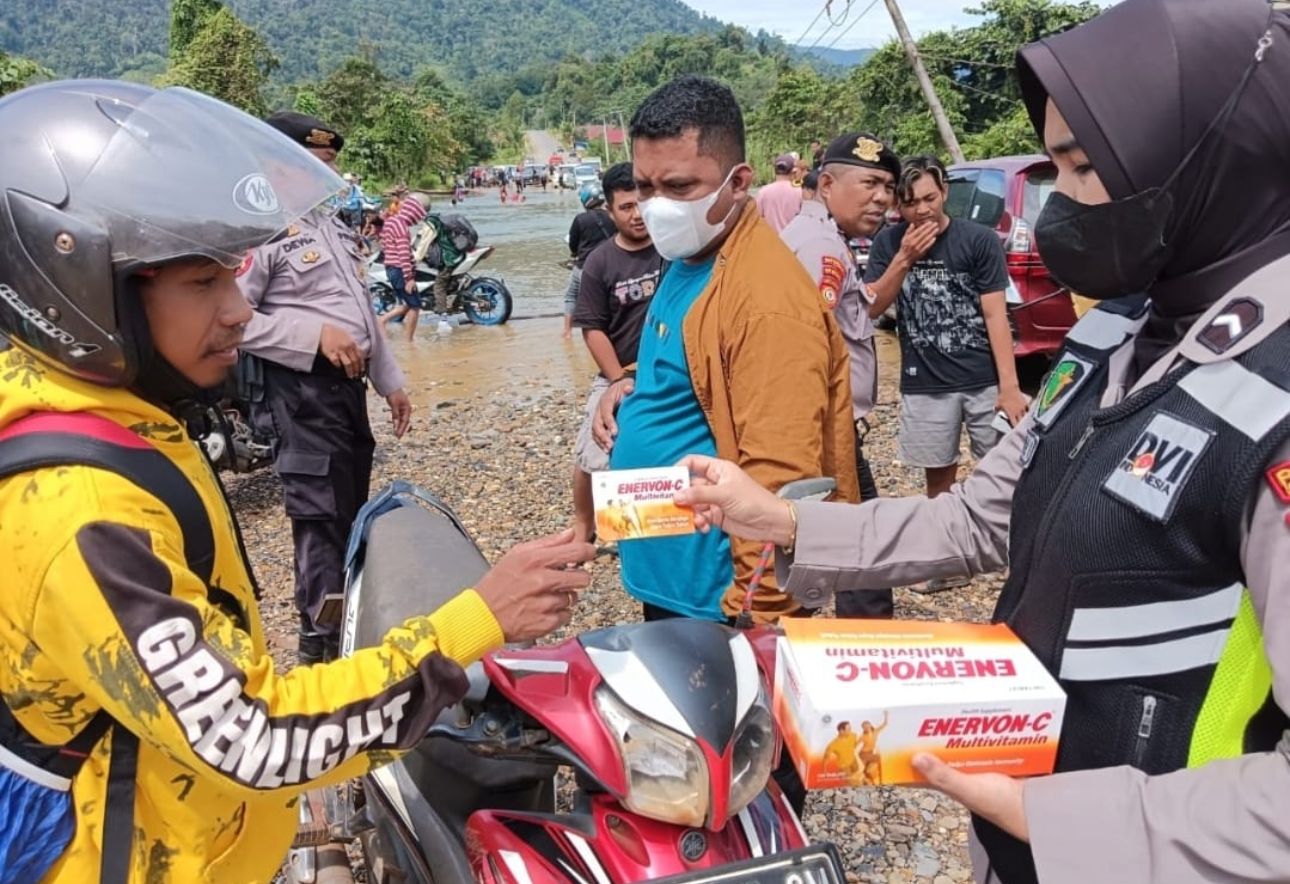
point(789, 18)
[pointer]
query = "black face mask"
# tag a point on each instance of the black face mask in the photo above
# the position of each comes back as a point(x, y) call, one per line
point(1120, 248)
point(1109, 249)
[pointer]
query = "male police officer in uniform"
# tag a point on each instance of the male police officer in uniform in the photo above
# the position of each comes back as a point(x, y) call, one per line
point(1143, 503)
point(855, 188)
point(320, 342)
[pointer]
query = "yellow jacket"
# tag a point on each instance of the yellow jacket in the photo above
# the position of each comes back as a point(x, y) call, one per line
point(100, 611)
point(771, 372)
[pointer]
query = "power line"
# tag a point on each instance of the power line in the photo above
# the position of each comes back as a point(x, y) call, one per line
point(799, 40)
point(828, 30)
point(872, 4)
point(837, 23)
point(988, 94)
point(983, 64)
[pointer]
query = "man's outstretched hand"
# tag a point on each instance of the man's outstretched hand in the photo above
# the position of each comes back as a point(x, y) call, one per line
point(533, 588)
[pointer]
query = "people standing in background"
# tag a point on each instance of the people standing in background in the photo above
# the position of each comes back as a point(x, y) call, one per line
point(779, 202)
point(352, 206)
point(590, 228)
point(314, 329)
point(618, 281)
point(956, 364)
point(396, 244)
point(857, 182)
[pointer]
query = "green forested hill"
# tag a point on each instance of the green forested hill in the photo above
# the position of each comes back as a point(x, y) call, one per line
point(468, 38)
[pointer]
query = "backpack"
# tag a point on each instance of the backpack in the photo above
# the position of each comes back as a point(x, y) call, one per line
point(37, 818)
point(457, 236)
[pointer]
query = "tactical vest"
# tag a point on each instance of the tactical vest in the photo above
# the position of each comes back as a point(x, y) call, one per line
point(1125, 542)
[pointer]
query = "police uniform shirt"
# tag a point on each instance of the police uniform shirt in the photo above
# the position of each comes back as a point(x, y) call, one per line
point(313, 275)
point(819, 245)
point(1247, 798)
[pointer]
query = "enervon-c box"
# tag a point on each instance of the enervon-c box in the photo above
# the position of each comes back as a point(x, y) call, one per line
point(856, 699)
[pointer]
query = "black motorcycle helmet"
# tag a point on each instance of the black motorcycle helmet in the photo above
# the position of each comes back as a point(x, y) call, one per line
point(102, 179)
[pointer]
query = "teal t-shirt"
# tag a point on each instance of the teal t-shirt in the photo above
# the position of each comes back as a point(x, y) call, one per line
point(658, 424)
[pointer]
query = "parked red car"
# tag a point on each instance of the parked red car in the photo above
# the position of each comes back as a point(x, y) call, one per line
point(1006, 193)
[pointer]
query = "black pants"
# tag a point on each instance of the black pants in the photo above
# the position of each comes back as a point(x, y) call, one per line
point(865, 603)
point(785, 775)
point(324, 457)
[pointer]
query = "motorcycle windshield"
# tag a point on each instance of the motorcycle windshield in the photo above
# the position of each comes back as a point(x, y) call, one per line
point(202, 178)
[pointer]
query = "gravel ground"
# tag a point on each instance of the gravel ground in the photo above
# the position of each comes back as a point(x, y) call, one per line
point(502, 460)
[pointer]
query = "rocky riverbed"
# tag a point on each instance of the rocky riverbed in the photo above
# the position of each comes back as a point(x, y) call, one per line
point(501, 458)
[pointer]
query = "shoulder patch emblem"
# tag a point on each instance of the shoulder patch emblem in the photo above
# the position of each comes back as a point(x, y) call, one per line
point(1064, 378)
point(1226, 329)
point(293, 230)
point(833, 274)
point(1158, 465)
point(310, 257)
point(1279, 479)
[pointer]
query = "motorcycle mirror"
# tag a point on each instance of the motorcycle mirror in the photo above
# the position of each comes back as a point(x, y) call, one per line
point(809, 489)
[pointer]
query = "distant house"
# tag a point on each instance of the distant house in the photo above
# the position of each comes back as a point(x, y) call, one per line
point(597, 134)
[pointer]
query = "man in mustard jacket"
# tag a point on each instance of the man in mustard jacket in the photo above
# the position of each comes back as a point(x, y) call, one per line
point(740, 356)
point(127, 213)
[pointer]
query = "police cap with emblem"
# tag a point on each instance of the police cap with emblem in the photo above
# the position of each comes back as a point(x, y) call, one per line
point(306, 130)
point(861, 149)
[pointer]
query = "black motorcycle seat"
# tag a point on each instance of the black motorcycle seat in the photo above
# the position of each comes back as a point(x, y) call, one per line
point(416, 560)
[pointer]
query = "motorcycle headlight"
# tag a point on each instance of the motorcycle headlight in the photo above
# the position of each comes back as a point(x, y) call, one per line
point(753, 753)
point(667, 777)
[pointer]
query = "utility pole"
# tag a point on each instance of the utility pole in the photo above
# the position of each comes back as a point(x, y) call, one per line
point(627, 141)
point(604, 130)
point(925, 83)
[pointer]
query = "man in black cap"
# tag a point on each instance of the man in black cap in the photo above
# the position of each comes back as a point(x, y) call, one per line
point(855, 188)
point(320, 344)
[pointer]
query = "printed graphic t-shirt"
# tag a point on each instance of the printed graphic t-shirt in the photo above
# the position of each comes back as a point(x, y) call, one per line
point(944, 346)
point(658, 424)
point(615, 293)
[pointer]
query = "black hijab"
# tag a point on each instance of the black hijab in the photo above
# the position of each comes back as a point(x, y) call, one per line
point(1140, 85)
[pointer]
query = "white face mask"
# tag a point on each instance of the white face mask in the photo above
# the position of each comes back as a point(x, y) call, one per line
point(680, 228)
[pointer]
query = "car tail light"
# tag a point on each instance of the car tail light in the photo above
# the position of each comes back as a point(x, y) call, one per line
point(1020, 240)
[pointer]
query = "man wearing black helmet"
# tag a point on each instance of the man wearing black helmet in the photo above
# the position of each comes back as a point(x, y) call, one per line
point(1142, 506)
point(145, 733)
point(320, 344)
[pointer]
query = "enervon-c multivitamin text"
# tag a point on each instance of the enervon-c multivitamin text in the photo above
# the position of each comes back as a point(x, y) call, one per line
point(856, 699)
point(631, 504)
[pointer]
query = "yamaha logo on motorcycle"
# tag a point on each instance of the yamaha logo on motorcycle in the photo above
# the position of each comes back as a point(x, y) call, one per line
point(666, 726)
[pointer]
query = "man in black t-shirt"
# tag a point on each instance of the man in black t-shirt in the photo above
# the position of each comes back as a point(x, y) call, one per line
point(956, 365)
point(618, 280)
point(588, 230)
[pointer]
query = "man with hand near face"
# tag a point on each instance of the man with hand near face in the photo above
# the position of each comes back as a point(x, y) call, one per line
point(739, 354)
point(956, 362)
point(856, 183)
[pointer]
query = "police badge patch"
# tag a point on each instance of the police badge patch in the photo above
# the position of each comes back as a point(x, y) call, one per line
point(1158, 466)
point(1066, 376)
point(832, 274)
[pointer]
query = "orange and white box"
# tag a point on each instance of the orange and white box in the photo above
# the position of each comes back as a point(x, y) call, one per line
point(856, 699)
point(634, 504)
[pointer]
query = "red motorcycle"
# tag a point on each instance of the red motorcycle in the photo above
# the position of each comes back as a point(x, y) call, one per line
point(666, 727)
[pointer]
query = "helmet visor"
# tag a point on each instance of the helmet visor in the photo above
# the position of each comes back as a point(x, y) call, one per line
point(200, 178)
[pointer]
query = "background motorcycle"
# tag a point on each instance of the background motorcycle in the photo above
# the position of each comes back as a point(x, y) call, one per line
point(484, 299)
point(667, 726)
